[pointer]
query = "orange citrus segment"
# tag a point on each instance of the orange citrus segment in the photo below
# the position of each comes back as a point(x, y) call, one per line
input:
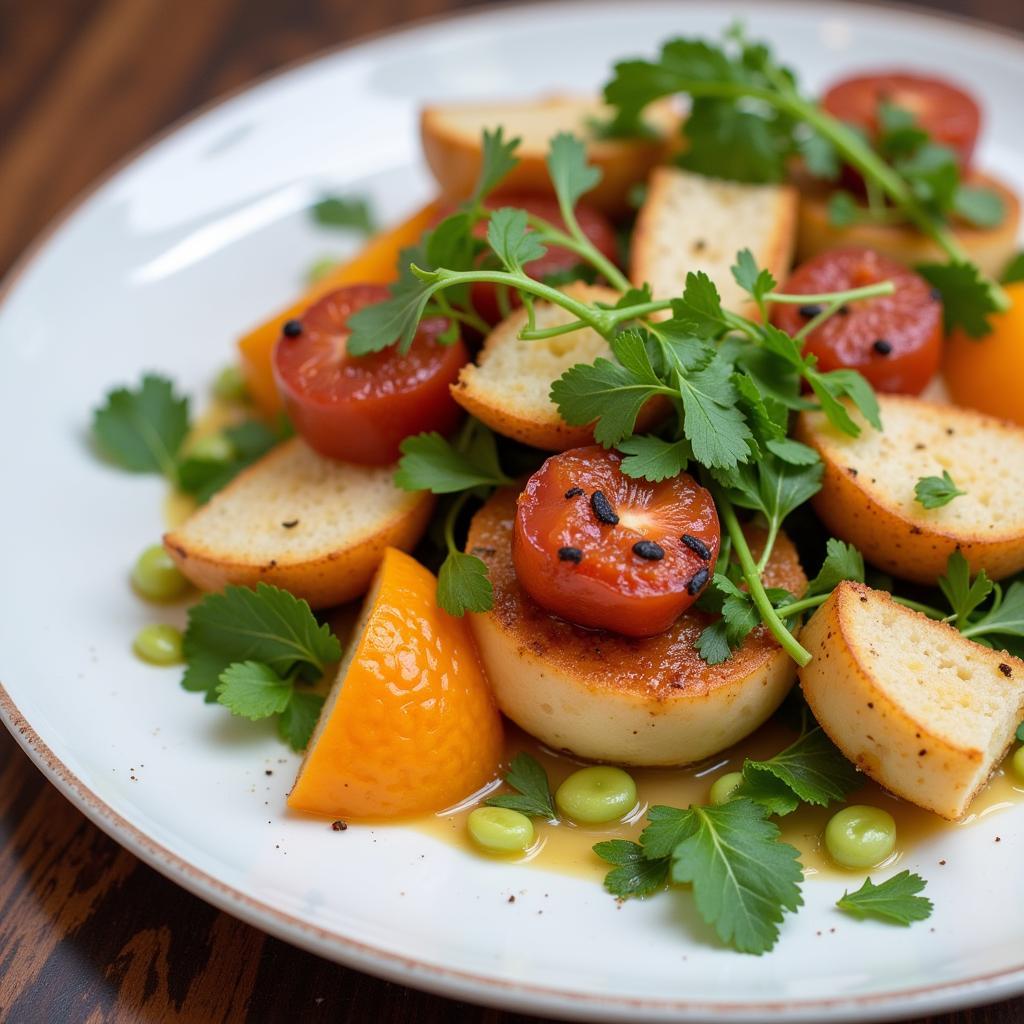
point(410, 726)
point(376, 263)
point(985, 373)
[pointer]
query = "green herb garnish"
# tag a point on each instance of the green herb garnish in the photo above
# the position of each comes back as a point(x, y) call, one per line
point(532, 794)
point(936, 491)
point(251, 650)
point(748, 119)
point(895, 900)
point(344, 212)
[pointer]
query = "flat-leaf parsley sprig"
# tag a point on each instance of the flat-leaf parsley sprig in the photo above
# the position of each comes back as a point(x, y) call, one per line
point(252, 651)
point(730, 381)
point(748, 118)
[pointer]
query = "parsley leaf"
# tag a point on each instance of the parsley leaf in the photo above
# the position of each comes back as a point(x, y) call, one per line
point(430, 462)
point(463, 584)
point(343, 212)
point(298, 720)
point(1005, 618)
point(512, 240)
point(699, 312)
point(635, 874)
point(651, 458)
point(966, 295)
point(712, 423)
point(607, 394)
point(571, 176)
point(812, 768)
point(497, 160)
point(980, 207)
point(936, 491)
point(743, 877)
point(142, 430)
point(895, 900)
point(266, 625)
point(758, 282)
point(250, 441)
point(962, 594)
point(253, 690)
point(830, 388)
point(395, 320)
point(842, 562)
point(532, 795)
point(713, 643)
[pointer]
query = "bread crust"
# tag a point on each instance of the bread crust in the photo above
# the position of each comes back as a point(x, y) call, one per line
point(607, 697)
point(910, 541)
point(990, 248)
point(864, 717)
point(493, 404)
point(454, 155)
point(334, 574)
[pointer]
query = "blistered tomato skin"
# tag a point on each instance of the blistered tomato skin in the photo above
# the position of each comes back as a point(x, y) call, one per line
point(947, 113)
point(556, 260)
point(895, 340)
point(603, 550)
point(359, 408)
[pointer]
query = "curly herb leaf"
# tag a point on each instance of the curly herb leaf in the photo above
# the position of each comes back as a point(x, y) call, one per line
point(635, 874)
point(533, 795)
point(936, 491)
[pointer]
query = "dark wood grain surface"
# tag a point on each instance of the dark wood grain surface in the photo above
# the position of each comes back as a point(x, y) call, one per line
point(87, 932)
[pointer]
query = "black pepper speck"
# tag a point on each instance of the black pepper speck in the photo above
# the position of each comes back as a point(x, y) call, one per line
point(292, 328)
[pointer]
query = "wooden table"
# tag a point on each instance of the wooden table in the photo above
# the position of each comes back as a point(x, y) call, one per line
point(87, 932)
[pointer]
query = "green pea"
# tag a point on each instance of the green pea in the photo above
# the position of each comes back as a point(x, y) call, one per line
point(213, 448)
point(723, 788)
point(500, 830)
point(156, 577)
point(860, 836)
point(229, 385)
point(596, 795)
point(1017, 763)
point(158, 644)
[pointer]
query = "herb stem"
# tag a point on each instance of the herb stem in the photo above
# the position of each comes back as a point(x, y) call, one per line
point(452, 517)
point(578, 243)
point(868, 291)
point(769, 616)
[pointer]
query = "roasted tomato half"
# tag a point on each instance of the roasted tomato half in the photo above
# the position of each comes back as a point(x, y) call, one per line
point(947, 113)
point(895, 340)
point(359, 408)
point(601, 549)
point(556, 262)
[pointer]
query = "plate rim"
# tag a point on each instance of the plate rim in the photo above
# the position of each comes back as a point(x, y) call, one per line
point(432, 977)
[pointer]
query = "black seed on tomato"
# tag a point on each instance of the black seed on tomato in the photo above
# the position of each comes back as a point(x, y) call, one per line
point(882, 346)
point(811, 310)
point(570, 554)
point(292, 328)
point(574, 492)
point(649, 549)
point(843, 310)
point(700, 577)
point(603, 508)
point(936, 294)
point(698, 546)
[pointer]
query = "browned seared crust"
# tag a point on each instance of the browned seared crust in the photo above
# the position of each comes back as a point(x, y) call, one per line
point(661, 702)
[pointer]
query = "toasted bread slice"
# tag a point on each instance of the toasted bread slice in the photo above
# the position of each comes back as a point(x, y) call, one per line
point(691, 222)
point(607, 697)
point(451, 136)
point(990, 248)
point(297, 520)
point(921, 709)
point(507, 387)
point(867, 495)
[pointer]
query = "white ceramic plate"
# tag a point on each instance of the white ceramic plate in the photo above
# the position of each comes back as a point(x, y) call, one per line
point(160, 268)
